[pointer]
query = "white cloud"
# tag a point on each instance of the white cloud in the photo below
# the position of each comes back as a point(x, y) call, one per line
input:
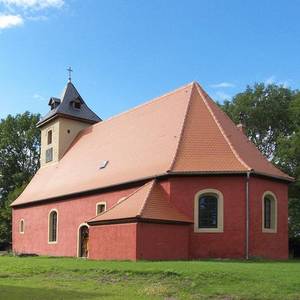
point(222, 85)
point(16, 12)
point(33, 4)
point(7, 21)
point(223, 96)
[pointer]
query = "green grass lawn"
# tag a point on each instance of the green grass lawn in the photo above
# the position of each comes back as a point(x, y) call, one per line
point(45, 278)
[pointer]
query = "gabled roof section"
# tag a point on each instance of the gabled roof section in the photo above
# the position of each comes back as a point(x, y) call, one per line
point(66, 108)
point(149, 202)
point(139, 144)
point(182, 132)
point(211, 142)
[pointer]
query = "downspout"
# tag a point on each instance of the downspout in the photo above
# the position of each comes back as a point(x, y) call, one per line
point(247, 216)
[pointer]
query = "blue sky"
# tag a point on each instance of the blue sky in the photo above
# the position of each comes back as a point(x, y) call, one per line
point(126, 52)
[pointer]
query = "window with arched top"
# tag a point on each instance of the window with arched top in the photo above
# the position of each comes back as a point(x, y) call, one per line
point(269, 212)
point(53, 222)
point(208, 211)
point(22, 226)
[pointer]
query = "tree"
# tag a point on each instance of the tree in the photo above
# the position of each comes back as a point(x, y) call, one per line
point(288, 155)
point(266, 113)
point(19, 161)
point(6, 216)
point(272, 119)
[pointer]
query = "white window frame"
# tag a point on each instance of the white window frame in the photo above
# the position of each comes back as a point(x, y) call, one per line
point(100, 203)
point(220, 227)
point(20, 226)
point(49, 214)
point(273, 196)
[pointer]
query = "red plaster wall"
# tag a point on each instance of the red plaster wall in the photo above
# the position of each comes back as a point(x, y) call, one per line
point(113, 242)
point(71, 214)
point(268, 245)
point(230, 243)
point(162, 241)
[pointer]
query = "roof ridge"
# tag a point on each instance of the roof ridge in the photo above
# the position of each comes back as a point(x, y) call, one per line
point(235, 153)
point(182, 128)
point(141, 105)
point(153, 182)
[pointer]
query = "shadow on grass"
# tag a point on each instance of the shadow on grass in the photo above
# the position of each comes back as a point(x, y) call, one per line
point(27, 293)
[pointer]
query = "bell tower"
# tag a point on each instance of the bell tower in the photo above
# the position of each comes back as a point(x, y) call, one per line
point(67, 116)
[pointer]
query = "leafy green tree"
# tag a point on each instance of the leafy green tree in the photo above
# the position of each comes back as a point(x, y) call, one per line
point(6, 216)
point(271, 115)
point(19, 161)
point(266, 114)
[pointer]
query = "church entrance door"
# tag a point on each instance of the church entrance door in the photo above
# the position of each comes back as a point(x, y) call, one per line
point(83, 241)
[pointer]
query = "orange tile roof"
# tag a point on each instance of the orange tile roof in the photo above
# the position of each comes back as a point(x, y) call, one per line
point(182, 131)
point(149, 202)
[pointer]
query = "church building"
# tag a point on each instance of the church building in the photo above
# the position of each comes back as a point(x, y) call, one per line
point(171, 179)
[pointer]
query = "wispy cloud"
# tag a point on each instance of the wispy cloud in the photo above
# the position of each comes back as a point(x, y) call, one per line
point(222, 96)
point(38, 97)
point(8, 21)
point(17, 12)
point(37, 18)
point(273, 80)
point(33, 4)
point(222, 85)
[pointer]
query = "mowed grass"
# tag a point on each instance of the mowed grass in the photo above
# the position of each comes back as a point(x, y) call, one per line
point(46, 278)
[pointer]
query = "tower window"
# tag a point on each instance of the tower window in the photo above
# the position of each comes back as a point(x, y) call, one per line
point(49, 137)
point(49, 155)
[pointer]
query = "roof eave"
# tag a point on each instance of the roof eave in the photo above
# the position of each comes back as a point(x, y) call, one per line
point(138, 219)
point(162, 175)
point(242, 172)
point(43, 122)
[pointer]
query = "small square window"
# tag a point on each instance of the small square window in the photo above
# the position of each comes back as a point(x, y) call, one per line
point(77, 105)
point(101, 207)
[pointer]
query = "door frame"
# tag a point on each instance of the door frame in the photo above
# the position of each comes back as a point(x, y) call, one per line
point(79, 239)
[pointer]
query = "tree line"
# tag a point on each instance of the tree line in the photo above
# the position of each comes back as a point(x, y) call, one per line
point(271, 115)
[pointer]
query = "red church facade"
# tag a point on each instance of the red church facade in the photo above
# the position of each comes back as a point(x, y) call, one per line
point(217, 201)
point(142, 240)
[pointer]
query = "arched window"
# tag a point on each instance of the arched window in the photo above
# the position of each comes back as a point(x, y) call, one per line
point(269, 212)
point(22, 226)
point(53, 219)
point(208, 213)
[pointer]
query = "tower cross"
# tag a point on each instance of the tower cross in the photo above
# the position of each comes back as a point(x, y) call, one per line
point(70, 73)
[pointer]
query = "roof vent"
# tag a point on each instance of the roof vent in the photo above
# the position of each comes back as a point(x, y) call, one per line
point(103, 164)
